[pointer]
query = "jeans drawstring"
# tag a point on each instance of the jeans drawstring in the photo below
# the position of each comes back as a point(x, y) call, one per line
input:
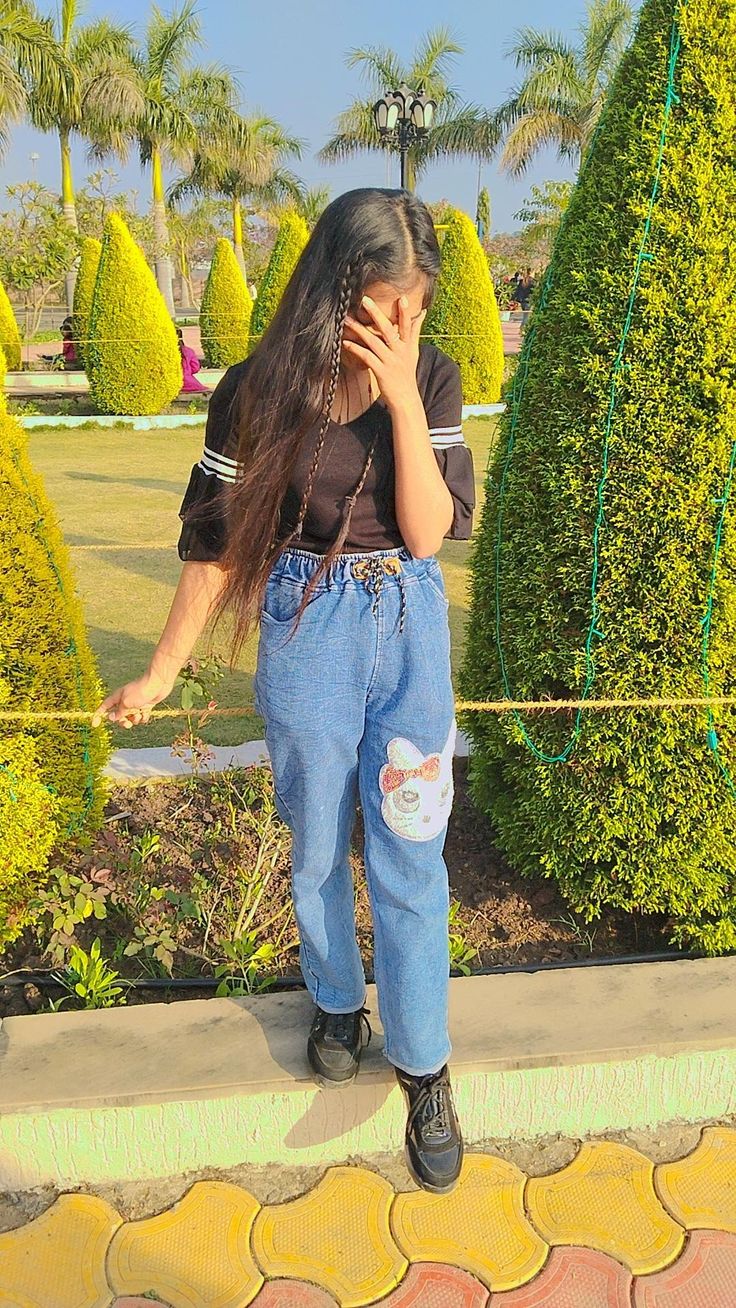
point(373, 571)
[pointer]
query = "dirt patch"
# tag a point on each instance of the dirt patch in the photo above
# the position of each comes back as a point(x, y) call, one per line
point(192, 879)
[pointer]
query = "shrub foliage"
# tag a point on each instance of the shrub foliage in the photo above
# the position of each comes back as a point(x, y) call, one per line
point(84, 288)
point(641, 815)
point(226, 310)
point(464, 320)
point(9, 333)
point(291, 239)
point(133, 359)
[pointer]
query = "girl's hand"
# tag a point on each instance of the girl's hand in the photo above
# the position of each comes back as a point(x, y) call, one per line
point(131, 704)
point(393, 354)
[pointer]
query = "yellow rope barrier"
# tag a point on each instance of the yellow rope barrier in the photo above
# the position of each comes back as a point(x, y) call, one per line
point(461, 706)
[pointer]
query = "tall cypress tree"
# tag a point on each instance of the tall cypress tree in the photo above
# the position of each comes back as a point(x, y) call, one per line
point(226, 310)
point(291, 239)
point(595, 569)
point(464, 320)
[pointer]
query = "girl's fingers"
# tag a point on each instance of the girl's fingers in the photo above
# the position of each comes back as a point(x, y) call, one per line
point(381, 344)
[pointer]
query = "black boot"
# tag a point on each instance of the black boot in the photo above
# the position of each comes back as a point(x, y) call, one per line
point(335, 1044)
point(434, 1145)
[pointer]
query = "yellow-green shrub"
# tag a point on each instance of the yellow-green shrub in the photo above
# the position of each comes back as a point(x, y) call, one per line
point(84, 289)
point(293, 235)
point(640, 816)
point(9, 333)
point(28, 832)
point(133, 359)
point(46, 664)
point(225, 313)
point(464, 320)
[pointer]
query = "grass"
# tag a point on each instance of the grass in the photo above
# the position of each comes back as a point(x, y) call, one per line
point(125, 488)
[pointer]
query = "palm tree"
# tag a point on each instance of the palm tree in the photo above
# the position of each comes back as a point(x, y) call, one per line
point(185, 108)
point(98, 97)
point(29, 57)
point(559, 100)
point(246, 169)
point(459, 130)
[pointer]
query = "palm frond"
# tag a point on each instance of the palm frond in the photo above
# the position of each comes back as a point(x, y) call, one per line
point(170, 39)
point(474, 132)
point(535, 131)
point(380, 66)
point(604, 39)
point(433, 57)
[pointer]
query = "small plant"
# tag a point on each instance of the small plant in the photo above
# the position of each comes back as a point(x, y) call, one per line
point(251, 958)
point(88, 978)
point(143, 847)
point(195, 681)
point(69, 902)
point(586, 939)
point(461, 953)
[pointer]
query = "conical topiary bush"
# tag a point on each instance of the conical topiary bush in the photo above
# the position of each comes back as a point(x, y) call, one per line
point(84, 288)
point(291, 239)
point(225, 313)
point(9, 333)
point(464, 320)
point(133, 359)
point(594, 569)
point(50, 771)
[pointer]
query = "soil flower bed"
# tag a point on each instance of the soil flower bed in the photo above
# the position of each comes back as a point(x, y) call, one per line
point(190, 879)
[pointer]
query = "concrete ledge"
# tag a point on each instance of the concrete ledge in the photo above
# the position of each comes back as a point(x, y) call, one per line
point(161, 1089)
point(170, 420)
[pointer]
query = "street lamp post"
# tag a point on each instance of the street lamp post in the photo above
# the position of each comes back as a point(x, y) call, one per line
point(403, 116)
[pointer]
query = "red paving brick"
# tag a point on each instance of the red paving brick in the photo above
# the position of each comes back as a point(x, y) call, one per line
point(703, 1277)
point(572, 1278)
point(435, 1285)
point(292, 1294)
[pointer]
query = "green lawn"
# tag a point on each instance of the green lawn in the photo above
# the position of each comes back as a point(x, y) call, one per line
point(125, 488)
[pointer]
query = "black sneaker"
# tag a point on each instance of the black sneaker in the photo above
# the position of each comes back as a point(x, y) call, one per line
point(335, 1044)
point(434, 1145)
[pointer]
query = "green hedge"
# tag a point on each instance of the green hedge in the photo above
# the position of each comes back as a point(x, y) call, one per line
point(84, 289)
point(51, 782)
point(9, 333)
point(291, 239)
point(640, 816)
point(133, 359)
point(226, 310)
point(464, 320)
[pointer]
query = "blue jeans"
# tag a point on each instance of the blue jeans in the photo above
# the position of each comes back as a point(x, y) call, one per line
point(360, 702)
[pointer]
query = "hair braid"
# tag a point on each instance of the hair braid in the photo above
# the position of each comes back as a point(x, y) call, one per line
point(347, 289)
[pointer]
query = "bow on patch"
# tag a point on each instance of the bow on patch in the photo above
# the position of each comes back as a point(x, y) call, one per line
point(392, 778)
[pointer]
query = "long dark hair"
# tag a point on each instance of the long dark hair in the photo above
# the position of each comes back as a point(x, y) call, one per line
point(364, 236)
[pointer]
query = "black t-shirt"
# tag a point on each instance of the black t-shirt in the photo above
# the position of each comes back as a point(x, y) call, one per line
point(373, 525)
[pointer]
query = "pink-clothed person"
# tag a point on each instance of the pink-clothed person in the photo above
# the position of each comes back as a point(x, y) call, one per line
point(189, 365)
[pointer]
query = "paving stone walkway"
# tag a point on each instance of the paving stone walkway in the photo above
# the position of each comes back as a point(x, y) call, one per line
point(611, 1230)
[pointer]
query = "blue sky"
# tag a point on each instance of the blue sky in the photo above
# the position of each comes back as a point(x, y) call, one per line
point(290, 58)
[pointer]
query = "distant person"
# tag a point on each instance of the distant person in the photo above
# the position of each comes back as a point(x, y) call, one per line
point(524, 288)
point(189, 365)
point(68, 358)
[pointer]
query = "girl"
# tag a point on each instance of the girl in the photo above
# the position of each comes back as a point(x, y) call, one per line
point(333, 468)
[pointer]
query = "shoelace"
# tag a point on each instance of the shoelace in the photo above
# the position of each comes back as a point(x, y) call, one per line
point(339, 1026)
point(431, 1107)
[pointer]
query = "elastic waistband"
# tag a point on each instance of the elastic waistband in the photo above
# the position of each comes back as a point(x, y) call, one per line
point(300, 564)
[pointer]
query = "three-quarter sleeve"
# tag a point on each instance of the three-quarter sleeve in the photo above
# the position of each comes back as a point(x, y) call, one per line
point(203, 510)
point(444, 410)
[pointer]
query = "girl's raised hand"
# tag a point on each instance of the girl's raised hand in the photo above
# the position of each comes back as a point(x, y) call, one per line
point(392, 353)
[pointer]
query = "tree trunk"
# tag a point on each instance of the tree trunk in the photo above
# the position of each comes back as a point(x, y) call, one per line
point(238, 234)
point(162, 258)
point(69, 210)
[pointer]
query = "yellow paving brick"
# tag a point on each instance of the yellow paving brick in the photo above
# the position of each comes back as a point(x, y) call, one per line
point(65, 1249)
point(337, 1236)
point(480, 1226)
point(195, 1255)
point(606, 1200)
point(700, 1190)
